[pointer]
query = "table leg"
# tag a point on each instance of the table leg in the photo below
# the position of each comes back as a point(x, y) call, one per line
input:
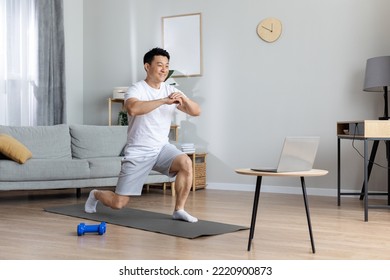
point(365, 181)
point(338, 172)
point(109, 111)
point(254, 211)
point(308, 214)
point(370, 164)
point(388, 170)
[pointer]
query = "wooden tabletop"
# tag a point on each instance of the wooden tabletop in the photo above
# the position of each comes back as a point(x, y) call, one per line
point(310, 173)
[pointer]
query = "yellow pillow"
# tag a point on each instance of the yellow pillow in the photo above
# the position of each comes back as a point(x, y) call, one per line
point(13, 149)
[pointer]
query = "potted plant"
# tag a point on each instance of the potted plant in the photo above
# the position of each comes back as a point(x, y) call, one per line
point(122, 118)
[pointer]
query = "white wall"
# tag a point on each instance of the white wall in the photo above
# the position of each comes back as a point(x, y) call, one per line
point(252, 93)
point(73, 25)
point(106, 55)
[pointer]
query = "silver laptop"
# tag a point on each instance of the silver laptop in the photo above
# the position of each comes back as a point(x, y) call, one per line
point(298, 154)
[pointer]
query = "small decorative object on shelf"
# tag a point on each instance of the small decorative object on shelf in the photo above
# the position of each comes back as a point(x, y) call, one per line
point(169, 80)
point(119, 92)
point(188, 147)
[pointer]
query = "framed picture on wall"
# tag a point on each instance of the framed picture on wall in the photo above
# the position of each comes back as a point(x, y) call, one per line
point(181, 36)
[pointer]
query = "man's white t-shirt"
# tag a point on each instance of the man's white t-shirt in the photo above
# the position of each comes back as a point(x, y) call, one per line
point(149, 132)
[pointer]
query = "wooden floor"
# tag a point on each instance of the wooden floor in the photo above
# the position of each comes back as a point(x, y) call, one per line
point(28, 232)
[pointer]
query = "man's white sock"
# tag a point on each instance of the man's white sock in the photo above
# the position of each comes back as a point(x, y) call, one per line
point(90, 204)
point(183, 215)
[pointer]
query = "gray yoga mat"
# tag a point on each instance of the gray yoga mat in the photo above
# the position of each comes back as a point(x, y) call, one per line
point(146, 220)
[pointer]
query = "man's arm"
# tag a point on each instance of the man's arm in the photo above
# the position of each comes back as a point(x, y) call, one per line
point(135, 107)
point(186, 105)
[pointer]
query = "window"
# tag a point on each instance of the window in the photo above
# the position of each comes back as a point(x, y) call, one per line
point(18, 58)
point(32, 65)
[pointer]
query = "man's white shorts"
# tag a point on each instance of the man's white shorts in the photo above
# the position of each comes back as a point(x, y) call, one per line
point(134, 171)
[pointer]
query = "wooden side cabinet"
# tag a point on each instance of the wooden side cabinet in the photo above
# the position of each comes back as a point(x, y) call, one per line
point(199, 170)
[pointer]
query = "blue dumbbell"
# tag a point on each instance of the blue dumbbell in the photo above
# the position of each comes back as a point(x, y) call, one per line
point(83, 228)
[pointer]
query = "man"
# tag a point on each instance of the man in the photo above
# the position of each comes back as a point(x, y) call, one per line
point(150, 105)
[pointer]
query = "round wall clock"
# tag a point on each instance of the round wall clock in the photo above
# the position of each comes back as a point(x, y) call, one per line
point(269, 29)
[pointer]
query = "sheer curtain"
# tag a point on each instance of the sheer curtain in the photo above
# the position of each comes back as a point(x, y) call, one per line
point(32, 82)
point(18, 62)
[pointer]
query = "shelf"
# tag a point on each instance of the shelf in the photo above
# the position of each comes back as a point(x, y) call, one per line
point(364, 129)
point(110, 101)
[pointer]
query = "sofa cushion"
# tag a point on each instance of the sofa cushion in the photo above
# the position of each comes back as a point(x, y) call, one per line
point(92, 141)
point(104, 167)
point(44, 142)
point(13, 149)
point(44, 170)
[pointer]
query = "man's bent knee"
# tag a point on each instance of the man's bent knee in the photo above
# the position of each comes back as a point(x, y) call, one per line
point(182, 163)
point(119, 201)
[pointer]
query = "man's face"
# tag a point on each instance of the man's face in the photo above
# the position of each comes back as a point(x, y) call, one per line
point(159, 68)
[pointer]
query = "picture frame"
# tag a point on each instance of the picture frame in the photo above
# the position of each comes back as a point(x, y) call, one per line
point(182, 38)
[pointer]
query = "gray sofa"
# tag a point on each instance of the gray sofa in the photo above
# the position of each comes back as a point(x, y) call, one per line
point(67, 156)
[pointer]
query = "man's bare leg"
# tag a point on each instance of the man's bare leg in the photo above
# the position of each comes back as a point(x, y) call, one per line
point(183, 166)
point(108, 198)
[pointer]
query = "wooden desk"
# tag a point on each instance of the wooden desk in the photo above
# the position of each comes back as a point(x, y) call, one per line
point(366, 130)
point(259, 175)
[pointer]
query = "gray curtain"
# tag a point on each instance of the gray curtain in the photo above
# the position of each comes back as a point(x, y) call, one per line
point(50, 90)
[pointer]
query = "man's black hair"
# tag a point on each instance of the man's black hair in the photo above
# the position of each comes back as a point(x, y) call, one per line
point(148, 57)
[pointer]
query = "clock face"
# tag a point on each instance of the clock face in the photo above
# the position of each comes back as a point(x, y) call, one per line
point(269, 29)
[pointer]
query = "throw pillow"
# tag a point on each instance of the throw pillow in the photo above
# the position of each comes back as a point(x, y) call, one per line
point(13, 149)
